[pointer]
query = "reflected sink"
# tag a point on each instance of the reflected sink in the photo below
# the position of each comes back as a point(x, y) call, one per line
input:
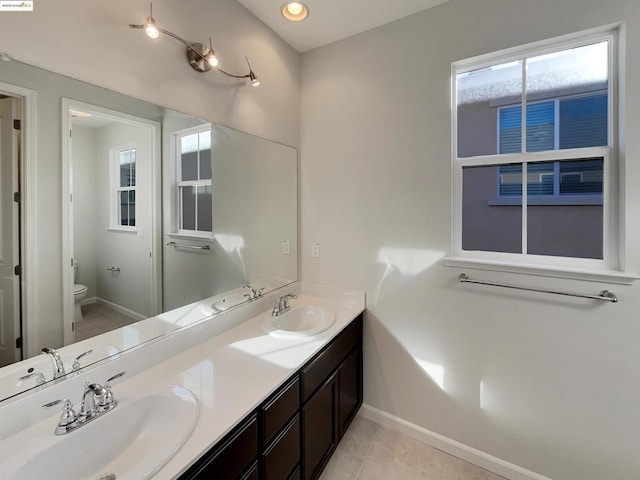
point(133, 441)
point(300, 321)
point(229, 301)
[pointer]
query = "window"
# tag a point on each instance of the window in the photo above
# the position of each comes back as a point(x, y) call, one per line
point(124, 181)
point(534, 154)
point(194, 181)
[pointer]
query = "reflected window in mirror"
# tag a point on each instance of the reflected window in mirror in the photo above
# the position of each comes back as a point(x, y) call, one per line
point(194, 181)
point(124, 182)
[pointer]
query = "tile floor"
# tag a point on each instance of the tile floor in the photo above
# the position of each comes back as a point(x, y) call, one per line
point(97, 319)
point(369, 451)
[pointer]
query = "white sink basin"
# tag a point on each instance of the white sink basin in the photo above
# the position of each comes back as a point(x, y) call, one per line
point(229, 301)
point(133, 441)
point(300, 321)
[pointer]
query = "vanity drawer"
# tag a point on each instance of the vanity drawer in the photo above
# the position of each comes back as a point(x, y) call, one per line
point(283, 456)
point(279, 410)
point(320, 367)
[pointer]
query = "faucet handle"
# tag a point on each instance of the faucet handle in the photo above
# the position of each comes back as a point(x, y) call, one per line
point(68, 417)
point(108, 401)
point(107, 384)
point(76, 363)
point(39, 377)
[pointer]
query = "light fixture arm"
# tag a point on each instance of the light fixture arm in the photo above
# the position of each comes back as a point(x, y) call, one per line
point(198, 54)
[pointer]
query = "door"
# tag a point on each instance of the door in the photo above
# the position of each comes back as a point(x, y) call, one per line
point(9, 233)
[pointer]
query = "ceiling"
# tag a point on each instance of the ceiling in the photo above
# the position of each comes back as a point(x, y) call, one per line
point(333, 20)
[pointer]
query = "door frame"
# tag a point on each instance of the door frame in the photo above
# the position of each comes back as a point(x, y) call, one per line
point(67, 207)
point(28, 230)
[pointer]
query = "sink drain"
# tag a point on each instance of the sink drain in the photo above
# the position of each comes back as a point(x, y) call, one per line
point(108, 476)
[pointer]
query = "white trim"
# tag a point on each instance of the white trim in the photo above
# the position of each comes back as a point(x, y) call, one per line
point(67, 213)
point(450, 446)
point(129, 313)
point(611, 252)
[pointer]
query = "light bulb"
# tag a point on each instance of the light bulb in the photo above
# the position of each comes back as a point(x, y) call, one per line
point(255, 82)
point(150, 28)
point(294, 8)
point(294, 11)
point(212, 59)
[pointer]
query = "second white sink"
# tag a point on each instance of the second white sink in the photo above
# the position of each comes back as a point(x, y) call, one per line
point(300, 321)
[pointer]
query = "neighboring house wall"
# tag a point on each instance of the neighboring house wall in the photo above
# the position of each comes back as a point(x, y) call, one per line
point(553, 230)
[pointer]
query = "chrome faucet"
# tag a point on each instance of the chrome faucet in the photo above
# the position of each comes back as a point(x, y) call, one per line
point(282, 304)
point(253, 293)
point(58, 367)
point(88, 408)
point(96, 401)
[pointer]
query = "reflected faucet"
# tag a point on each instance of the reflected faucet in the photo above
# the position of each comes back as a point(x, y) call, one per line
point(58, 367)
point(253, 293)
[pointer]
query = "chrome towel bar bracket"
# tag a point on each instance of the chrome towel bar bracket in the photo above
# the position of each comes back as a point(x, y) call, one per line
point(192, 247)
point(605, 295)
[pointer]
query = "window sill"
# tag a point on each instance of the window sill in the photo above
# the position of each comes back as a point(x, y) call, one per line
point(195, 236)
point(127, 231)
point(603, 276)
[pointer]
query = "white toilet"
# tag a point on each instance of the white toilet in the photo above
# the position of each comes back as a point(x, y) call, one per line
point(79, 292)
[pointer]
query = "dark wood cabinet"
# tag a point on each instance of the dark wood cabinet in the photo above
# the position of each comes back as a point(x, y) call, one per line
point(328, 410)
point(320, 428)
point(293, 434)
point(233, 458)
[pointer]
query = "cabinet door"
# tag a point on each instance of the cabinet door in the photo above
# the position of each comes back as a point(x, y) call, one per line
point(350, 394)
point(320, 428)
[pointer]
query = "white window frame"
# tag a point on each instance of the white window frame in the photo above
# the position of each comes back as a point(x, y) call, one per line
point(116, 188)
point(189, 183)
point(609, 267)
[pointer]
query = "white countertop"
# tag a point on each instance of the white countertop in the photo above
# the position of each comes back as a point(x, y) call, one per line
point(232, 372)
point(235, 372)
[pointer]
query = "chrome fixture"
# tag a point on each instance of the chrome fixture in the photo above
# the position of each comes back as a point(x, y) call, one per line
point(282, 304)
point(37, 375)
point(114, 269)
point(605, 295)
point(58, 367)
point(253, 293)
point(202, 58)
point(294, 11)
point(192, 247)
point(76, 363)
point(96, 401)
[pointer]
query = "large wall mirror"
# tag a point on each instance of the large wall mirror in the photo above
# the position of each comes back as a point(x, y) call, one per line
point(128, 215)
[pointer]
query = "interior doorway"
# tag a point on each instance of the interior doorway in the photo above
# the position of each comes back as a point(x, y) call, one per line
point(10, 229)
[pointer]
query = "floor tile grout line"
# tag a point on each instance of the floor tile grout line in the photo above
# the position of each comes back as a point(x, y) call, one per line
point(373, 440)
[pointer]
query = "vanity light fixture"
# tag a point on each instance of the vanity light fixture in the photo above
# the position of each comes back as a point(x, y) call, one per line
point(202, 58)
point(294, 11)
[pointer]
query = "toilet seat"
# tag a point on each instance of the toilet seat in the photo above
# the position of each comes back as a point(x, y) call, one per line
point(78, 288)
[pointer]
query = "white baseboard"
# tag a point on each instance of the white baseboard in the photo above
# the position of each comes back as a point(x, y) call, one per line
point(460, 450)
point(88, 301)
point(129, 313)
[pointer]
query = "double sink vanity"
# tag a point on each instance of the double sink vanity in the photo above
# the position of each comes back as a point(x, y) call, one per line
point(263, 390)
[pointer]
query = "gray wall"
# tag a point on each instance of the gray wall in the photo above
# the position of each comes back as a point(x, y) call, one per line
point(547, 383)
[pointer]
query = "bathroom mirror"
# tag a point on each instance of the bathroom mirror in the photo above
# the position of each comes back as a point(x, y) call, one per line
point(221, 211)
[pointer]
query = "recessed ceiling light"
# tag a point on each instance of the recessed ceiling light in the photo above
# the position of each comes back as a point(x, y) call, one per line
point(295, 11)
